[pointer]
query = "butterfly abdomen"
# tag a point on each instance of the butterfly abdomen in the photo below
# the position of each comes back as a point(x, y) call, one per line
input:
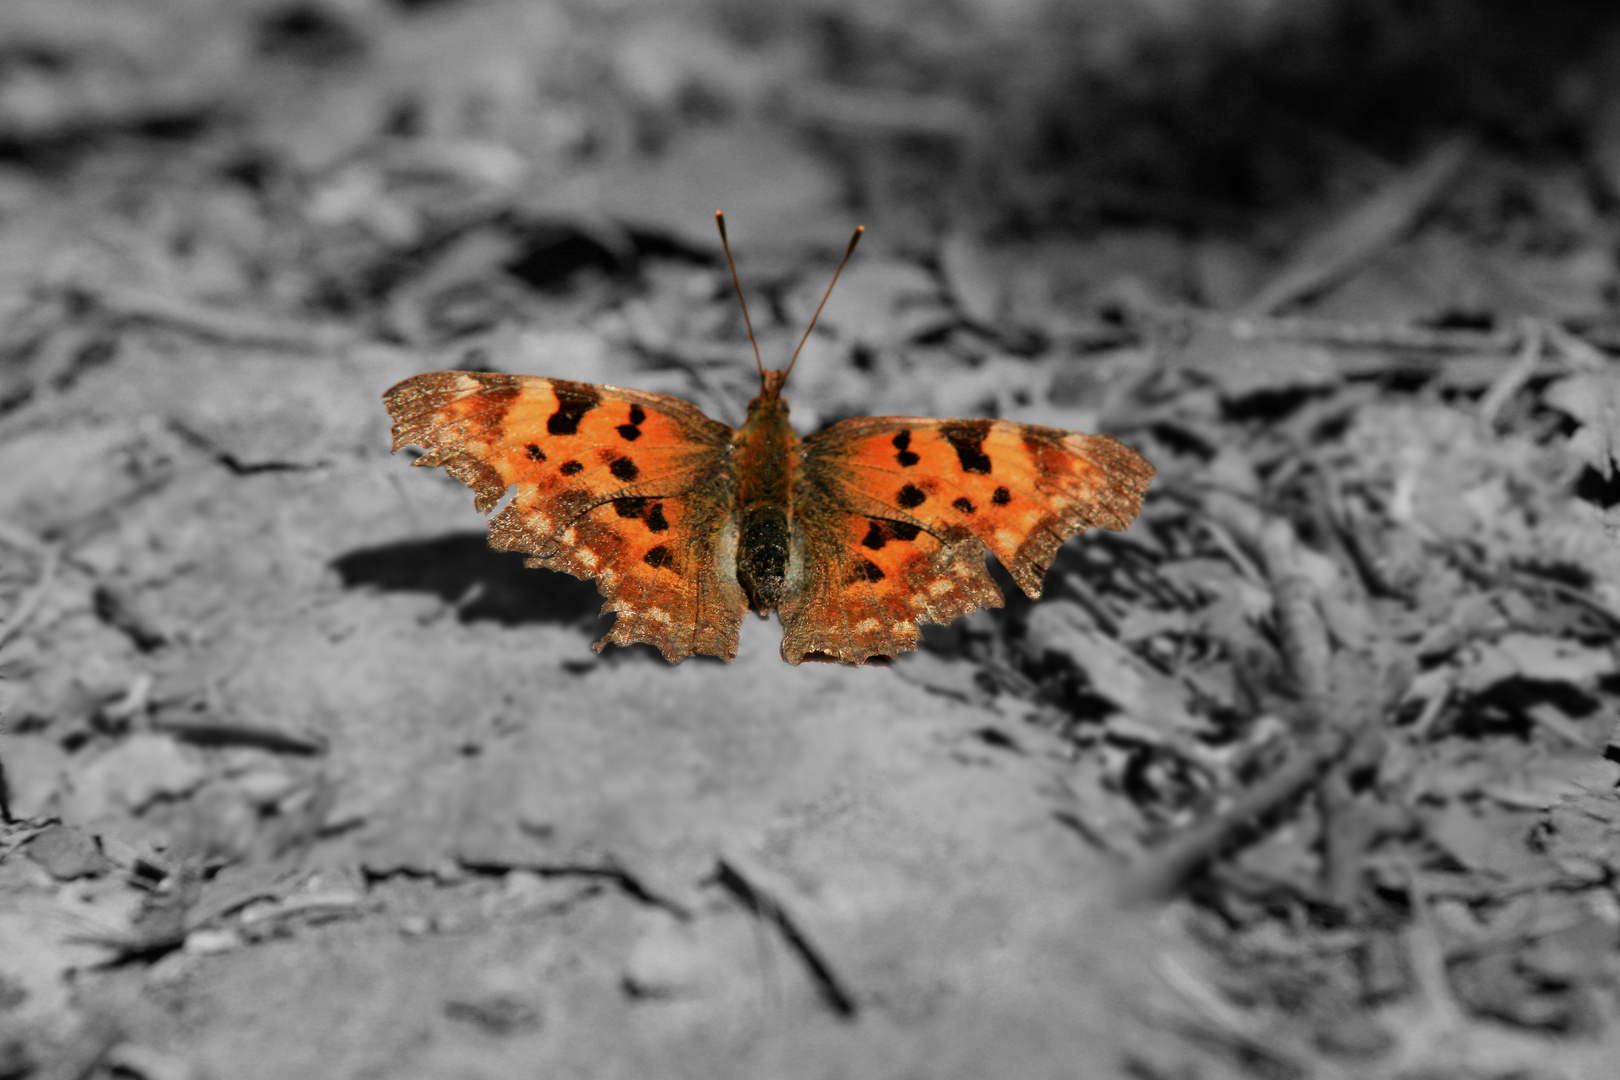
point(763, 545)
point(765, 449)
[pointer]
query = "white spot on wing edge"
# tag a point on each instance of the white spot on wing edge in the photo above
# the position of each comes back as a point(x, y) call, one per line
point(657, 615)
point(866, 626)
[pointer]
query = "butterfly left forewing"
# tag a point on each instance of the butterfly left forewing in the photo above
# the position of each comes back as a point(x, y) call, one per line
point(903, 509)
point(625, 487)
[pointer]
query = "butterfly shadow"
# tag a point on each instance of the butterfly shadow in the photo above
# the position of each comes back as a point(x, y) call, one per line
point(482, 585)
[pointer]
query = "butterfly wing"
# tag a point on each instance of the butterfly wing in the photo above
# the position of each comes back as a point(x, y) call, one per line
point(897, 512)
point(628, 488)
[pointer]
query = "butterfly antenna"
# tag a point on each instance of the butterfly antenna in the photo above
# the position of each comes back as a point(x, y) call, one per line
point(853, 240)
point(720, 220)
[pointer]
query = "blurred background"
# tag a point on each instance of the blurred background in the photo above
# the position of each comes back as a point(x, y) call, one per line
point(406, 146)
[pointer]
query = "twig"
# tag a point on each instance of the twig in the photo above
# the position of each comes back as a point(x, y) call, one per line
point(1306, 648)
point(1349, 826)
point(1163, 875)
point(21, 615)
point(1366, 229)
point(1299, 623)
point(1479, 570)
point(1372, 335)
point(1525, 580)
point(1087, 597)
point(134, 1059)
point(121, 611)
point(1579, 353)
point(1343, 840)
point(161, 925)
point(1237, 1032)
point(1431, 710)
point(219, 733)
point(206, 915)
point(134, 701)
point(330, 904)
point(29, 606)
point(210, 323)
point(21, 539)
point(1226, 538)
point(1512, 380)
point(1090, 834)
point(1443, 1016)
point(833, 993)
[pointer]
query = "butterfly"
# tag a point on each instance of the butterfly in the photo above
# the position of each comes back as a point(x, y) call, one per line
point(854, 535)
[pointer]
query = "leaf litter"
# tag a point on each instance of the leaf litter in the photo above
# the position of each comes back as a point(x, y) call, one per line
point(1310, 773)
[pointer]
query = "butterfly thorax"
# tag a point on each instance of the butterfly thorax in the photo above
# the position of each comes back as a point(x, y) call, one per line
point(763, 455)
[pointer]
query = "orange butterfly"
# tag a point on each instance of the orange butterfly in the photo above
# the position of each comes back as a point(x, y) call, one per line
point(854, 535)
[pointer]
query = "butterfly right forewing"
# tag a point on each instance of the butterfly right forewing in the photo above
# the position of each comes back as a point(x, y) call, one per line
point(898, 512)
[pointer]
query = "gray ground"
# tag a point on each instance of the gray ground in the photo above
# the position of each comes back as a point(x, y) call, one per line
point(1305, 775)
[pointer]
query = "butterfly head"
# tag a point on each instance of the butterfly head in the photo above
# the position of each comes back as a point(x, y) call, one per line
point(769, 408)
point(771, 382)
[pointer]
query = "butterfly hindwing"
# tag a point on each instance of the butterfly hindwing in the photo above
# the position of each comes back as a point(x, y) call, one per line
point(896, 513)
point(622, 486)
point(870, 580)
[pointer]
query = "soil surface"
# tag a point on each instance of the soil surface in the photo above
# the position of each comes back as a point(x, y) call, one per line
point(1310, 773)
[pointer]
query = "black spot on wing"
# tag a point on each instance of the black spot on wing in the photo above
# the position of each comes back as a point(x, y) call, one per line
point(658, 557)
point(624, 469)
point(535, 453)
point(880, 532)
point(574, 400)
point(866, 570)
point(631, 431)
point(965, 505)
point(967, 439)
point(1001, 496)
point(571, 468)
point(651, 513)
point(911, 496)
point(905, 456)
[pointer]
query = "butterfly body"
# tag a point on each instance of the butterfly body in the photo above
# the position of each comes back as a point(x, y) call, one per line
point(764, 454)
point(854, 535)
